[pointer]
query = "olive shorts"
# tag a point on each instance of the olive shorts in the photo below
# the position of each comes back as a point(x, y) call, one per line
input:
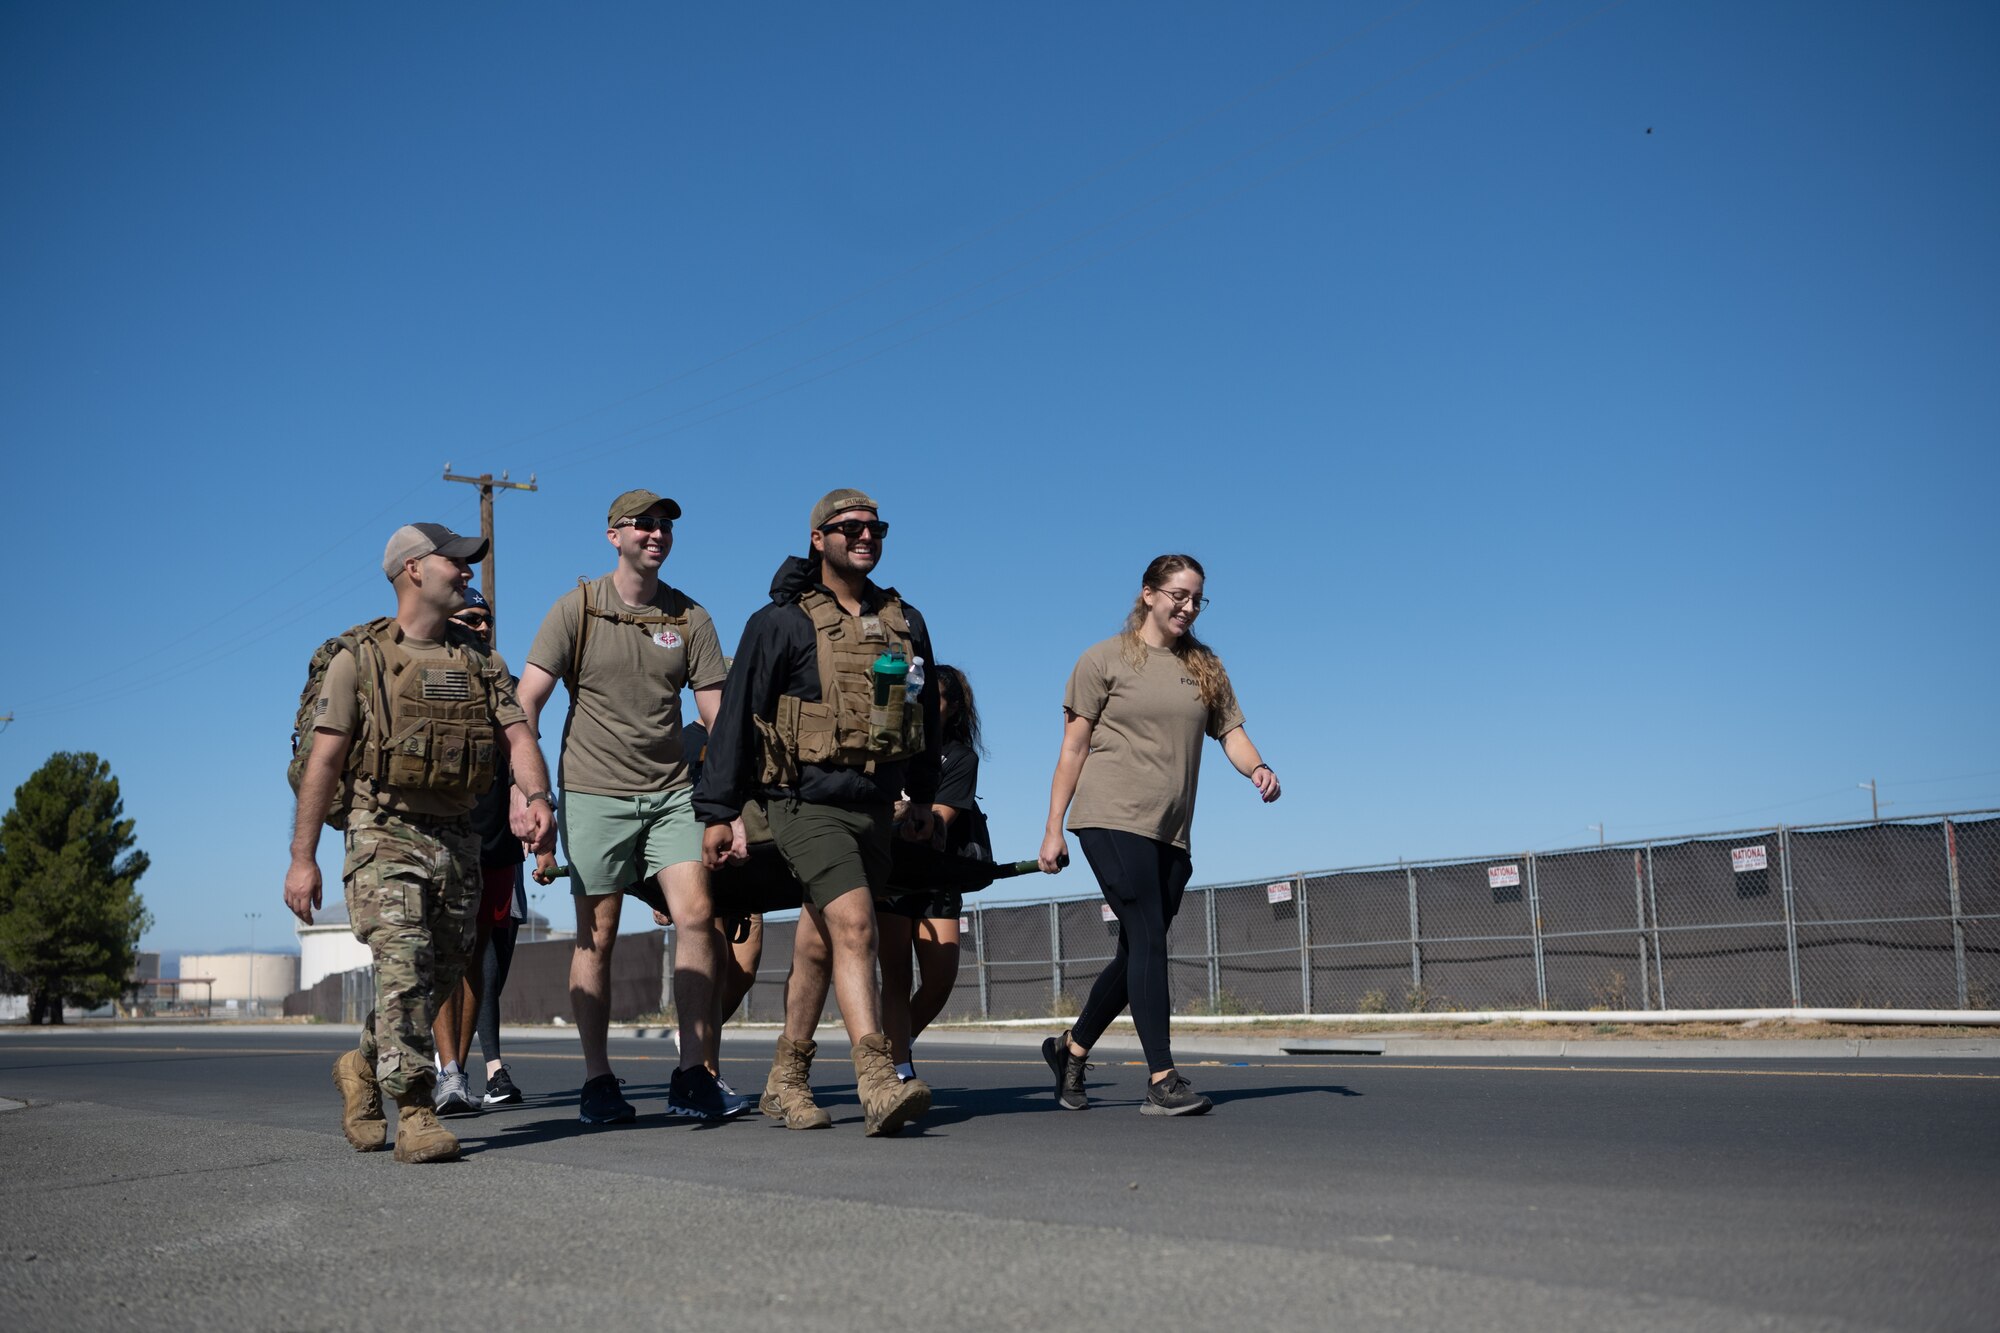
point(834, 849)
point(615, 841)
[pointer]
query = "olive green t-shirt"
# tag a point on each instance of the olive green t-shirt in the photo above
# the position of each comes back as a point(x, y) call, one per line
point(339, 709)
point(1145, 741)
point(623, 733)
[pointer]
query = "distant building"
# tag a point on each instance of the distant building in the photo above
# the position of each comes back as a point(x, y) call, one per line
point(328, 945)
point(249, 984)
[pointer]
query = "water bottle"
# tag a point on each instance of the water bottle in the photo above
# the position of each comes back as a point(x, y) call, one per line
point(891, 673)
point(913, 684)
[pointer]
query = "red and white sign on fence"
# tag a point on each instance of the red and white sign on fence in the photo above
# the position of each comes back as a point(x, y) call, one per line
point(1109, 915)
point(1278, 893)
point(1748, 858)
point(1503, 877)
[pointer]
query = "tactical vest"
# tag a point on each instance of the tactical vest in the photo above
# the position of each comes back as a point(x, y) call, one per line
point(845, 727)
point(428, 724)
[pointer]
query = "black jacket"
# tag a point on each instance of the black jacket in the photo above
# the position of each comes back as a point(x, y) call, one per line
point(779, 656)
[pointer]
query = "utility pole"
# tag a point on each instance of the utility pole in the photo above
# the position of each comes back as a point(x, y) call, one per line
point(1874, 799)
point(5, 718)
point(487, 484)
point(1599, 828)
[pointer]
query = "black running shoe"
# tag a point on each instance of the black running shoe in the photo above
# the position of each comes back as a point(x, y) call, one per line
point(693, 1092)
point(1173, 1095)
point(1068, 1070)
point(500, 1089)
point(603, 1104)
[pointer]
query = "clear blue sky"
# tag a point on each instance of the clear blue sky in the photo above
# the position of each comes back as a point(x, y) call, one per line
point(1548, 471)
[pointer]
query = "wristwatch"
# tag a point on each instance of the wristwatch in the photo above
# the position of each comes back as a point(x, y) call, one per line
point(547, 796)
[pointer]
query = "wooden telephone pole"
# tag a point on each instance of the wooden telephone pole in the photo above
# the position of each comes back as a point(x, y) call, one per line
point(487, 484)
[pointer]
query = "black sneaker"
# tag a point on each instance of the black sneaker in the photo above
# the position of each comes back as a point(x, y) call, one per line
point(1068, 1070)
point(603, 1104)
point(500, 1089)
point(693, 1092)
point(1173, 1095)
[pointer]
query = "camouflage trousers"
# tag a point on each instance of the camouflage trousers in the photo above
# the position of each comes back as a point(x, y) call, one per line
point(413, 889)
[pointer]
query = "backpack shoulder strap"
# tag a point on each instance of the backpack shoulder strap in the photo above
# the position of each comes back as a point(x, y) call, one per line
point(582, 633)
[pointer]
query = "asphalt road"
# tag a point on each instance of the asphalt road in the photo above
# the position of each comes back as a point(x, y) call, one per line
point(199, 1180)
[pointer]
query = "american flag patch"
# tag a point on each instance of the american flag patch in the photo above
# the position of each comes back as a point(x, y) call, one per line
point(446, 684)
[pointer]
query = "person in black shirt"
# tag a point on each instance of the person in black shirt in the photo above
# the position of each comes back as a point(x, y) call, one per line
point(928, 921)
point(502, 907)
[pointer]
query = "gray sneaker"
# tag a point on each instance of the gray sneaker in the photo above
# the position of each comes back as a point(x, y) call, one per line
point(453, 1096)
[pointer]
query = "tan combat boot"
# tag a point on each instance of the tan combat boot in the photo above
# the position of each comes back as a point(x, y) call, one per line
point(419, 1136)
point(360, 1103)
point(887, 1103)
point(787, 1092)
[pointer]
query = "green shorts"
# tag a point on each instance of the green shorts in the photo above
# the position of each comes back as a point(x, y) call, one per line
point(834, 849)
point(615, 841)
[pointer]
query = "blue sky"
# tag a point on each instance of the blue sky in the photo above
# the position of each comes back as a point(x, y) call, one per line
point(1548, 471)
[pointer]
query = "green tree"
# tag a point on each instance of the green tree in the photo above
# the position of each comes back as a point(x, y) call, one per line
point(70, 917)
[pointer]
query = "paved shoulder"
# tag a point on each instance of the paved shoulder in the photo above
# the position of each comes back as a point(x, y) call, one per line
point(209, 1225)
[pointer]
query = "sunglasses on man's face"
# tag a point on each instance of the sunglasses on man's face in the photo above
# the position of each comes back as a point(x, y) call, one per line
point(473, 622)
point(647, 523)
point(851, 528)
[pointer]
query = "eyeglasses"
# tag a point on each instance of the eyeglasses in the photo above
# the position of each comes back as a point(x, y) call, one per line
point(1181, 596)
point(473, 622)
point(851, 528)
point(647, 523)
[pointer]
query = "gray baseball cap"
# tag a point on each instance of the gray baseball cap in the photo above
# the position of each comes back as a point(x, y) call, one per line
point(414, 541)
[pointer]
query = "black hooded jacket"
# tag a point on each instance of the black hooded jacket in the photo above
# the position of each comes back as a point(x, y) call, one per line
point(779, 656)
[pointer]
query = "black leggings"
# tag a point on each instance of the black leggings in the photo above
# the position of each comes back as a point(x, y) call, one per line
point(1143, 880)
point(493, 965)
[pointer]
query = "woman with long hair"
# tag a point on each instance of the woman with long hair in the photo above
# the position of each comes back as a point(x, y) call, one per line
point(928, 921)
point(1134, 714)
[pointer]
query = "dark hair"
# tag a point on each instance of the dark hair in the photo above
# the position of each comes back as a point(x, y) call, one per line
point(1211, 682)
point(963, 722)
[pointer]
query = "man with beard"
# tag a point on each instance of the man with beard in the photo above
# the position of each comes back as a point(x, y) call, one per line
point(825, 718)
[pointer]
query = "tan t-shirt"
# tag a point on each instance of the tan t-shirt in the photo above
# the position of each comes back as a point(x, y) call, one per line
point(339, 709)
point(1145, 743)
point(623, 733)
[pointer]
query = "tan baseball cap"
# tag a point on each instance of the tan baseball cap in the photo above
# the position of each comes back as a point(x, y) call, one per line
point(413, 541)
point(839, 502)
point(634, 503)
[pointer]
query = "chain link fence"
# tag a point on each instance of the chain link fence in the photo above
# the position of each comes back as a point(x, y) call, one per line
point(1901, 914)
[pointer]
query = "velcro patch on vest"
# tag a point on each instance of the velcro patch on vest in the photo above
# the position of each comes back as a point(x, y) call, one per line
point(872, 631)
point(447, 684)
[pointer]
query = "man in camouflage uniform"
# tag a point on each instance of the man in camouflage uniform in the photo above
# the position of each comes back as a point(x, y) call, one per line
point(405, 735)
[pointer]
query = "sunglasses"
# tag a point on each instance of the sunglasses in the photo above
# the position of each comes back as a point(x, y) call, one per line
point(646, 523)
point(851, 528)
point(473, 621)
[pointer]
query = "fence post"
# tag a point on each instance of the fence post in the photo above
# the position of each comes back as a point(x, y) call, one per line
point(1305, 945)
point(1214, 959)
point(979, 957)
point(1639, 916)
point(1957, 920)
point(1653, 905)
point(1416, 950)
point(1055, 958)
point(1535, 925)
point(667, 938)
point(1791, 917)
